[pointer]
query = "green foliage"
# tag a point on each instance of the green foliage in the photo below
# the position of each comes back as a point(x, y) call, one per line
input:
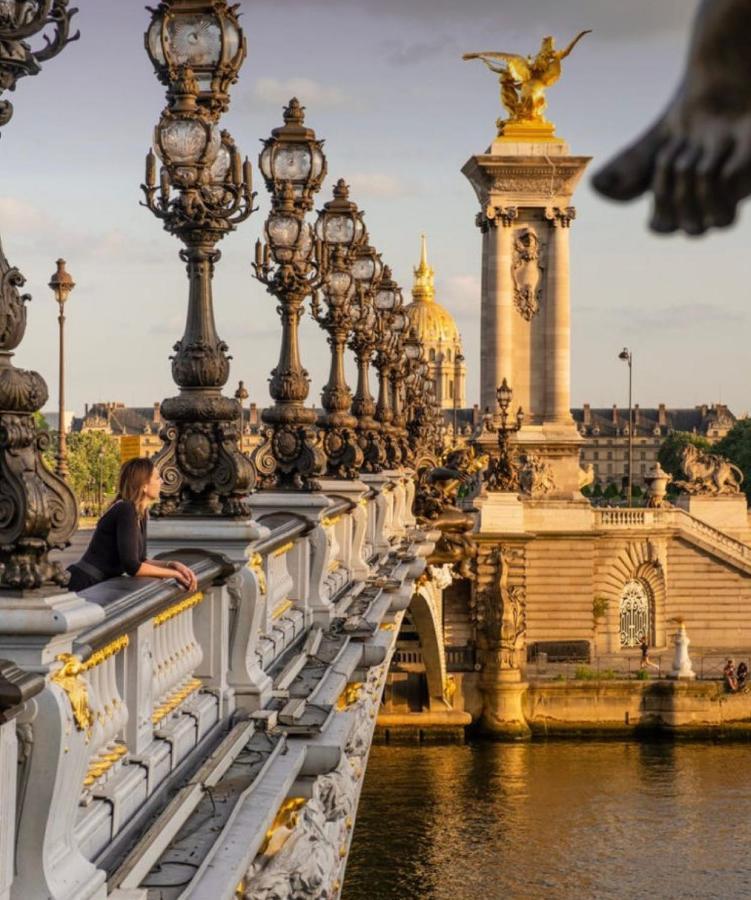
point(599, 607)
point(587, 490)
point(587, 673)
point(642, 675)
point(611, 491)
point(597, 490)
point(636, 492)
point(669, 456)
point(736, 446)
point(94, 464)
point(40, 422)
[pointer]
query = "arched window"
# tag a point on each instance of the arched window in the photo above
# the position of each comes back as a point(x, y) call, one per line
point(636, 614)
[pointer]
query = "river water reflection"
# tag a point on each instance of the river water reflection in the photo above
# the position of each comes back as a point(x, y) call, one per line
point(559, 820)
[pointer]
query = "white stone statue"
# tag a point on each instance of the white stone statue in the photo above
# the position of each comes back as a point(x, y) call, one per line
point(681, 662)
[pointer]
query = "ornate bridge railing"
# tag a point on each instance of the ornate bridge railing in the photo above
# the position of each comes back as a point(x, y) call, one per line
point(199, 742)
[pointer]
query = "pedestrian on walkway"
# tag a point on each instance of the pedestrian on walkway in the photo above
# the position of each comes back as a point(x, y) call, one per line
point(645, 660)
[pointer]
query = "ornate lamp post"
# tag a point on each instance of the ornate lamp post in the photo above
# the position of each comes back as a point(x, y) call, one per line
point(627, 357)
point(367, 269)
point(396, 372)
point(241, 395)
point(387, 302)
point(340, 229)
point(291, 266)
point(503, 473)
point(204, 190)
point(39, 510)
point(61, 284)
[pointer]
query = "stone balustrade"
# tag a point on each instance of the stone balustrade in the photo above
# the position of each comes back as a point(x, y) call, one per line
point(679, 521)
point(240, 714)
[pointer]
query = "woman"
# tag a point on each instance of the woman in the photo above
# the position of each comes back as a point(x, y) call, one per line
point(119, 542)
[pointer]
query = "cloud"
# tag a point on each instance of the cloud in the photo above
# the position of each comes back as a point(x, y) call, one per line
point(377, 184)
point(20, 217)
point(400, 53)
point(462, 294)
point(610, 20)
point(681, 316)
point(309, 92)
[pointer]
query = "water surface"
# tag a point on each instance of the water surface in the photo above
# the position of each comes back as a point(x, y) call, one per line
point(558, 820)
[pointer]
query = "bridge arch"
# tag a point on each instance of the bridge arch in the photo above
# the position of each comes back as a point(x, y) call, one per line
point(425, 611)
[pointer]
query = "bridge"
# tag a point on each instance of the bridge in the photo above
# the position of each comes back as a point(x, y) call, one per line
point(207, 744)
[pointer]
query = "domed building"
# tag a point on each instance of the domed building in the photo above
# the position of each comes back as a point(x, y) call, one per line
point(437, 330)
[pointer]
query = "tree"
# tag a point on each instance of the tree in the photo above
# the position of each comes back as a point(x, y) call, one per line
point(736, 446)
point(612, 491)
point(94, 464)
point(597, 490)
point(672, 447)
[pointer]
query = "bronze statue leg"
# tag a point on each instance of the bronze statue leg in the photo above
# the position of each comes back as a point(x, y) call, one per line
point(696, 159)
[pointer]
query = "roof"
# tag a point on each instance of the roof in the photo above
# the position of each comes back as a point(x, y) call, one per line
point(653, 422)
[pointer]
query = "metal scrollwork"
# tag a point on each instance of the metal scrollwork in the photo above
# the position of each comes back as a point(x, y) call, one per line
point(38, 511)
point(20, 21)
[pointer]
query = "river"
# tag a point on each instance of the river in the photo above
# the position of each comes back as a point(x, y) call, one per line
point(556, 820)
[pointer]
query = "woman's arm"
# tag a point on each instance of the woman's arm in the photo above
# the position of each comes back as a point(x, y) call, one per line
point(176, 566)
point(150, 569)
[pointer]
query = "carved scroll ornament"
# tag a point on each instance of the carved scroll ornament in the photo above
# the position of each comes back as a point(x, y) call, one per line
point(527, 272)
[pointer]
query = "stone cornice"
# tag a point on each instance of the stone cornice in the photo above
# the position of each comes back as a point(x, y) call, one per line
point(525, 180)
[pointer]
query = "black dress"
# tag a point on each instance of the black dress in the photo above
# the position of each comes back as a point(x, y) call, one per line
point(117, 546)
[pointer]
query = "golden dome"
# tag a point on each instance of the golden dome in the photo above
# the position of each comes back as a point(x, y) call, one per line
point(432, 322)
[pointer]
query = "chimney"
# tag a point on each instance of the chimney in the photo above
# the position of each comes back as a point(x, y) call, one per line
point(615, 414)
point(703, 410)
point(253, 414)
point(85, 410)
point(587, 415)
point(662, 416)
point(157, 415)
point(636, 416)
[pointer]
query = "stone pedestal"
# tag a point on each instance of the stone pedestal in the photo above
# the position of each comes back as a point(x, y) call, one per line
point(228, 536)
point(525, 189)
point(503, 716)
point(728, 512)
point(500, 513)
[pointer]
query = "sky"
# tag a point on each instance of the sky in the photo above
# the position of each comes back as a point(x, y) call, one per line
point(384, 83)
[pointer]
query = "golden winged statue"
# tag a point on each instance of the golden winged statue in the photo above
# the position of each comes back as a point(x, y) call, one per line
point(524, 80)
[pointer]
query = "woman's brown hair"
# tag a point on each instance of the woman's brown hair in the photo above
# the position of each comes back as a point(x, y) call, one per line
point(134, 475)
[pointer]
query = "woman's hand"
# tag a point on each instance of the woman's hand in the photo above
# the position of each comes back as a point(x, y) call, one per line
point(185, 575)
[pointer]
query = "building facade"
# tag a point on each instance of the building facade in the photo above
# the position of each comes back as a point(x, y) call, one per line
point(605, 434)
point(436, 327)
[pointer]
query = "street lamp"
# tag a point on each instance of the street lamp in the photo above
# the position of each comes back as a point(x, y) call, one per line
point(366, 269)
point(203, 191)
point(458, 361)
point(291, 263)
point(388, 303)
point(627, 357)
point(39, 509)
point(61, 285)
point(241, 395)
point(340, 230)
point(503, 473)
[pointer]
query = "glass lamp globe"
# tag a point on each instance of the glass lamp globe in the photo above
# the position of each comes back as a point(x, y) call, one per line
point(293, 155)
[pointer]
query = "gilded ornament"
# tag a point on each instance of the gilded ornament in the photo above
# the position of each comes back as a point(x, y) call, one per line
point(349, 696)
point(68, 677)
point(255, 564)
point(524, 81)
point(178, 608)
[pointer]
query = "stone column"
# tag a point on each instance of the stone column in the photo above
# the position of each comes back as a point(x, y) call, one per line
point(497, 303)
point(558, 317)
